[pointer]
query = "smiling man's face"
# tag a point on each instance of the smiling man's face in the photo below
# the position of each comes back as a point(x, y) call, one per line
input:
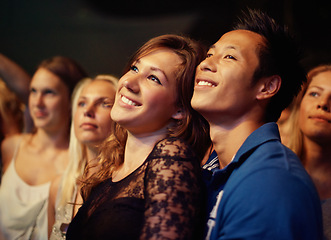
point(223, 85)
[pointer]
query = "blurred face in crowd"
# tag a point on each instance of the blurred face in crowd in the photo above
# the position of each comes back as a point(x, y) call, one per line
point(315, 116)
point(49, 101)
point(92, 120)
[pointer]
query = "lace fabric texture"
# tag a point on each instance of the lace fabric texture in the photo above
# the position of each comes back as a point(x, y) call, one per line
point(159, 200)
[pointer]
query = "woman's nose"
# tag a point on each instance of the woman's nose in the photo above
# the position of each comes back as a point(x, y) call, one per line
point(324, 104)
point(39, 100)
point(132, 84)
point(89, 111)
point(324, 107)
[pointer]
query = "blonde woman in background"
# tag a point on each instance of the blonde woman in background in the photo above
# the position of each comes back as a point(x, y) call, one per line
point(91, 105)
point(311, 136)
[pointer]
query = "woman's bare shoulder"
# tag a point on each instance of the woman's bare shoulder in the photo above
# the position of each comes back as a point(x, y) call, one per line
point(9, 146)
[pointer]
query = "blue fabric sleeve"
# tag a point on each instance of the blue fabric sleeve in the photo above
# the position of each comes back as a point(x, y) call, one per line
point(268, 204)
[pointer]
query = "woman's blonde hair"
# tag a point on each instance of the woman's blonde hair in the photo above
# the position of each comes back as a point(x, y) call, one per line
point(193, 129)
point(77, 150)
point(296, 140)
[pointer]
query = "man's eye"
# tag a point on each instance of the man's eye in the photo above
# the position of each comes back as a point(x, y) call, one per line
point(230, 57)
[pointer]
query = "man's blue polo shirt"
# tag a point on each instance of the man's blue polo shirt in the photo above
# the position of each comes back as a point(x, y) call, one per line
point(264, 193)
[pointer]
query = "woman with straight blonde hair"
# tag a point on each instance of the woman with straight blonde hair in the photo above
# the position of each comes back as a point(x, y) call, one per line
point(91, 105)
point(311, 135)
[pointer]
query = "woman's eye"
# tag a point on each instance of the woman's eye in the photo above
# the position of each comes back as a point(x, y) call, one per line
point(313, 94)
point(209, 55)
point(33, 90)
point(49, 91)
point(155, 79)
point(134, 68)
point(81, 104)
point(107, 104)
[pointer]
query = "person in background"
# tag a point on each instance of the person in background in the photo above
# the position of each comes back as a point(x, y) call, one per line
point(284, 124)
point(32, 160)
point(18, 81)
point(259, 190)
point(15, 77)
point(11, 115)
point(148, 182)
point(91, 105)
point(311, 135)
point(11, 112)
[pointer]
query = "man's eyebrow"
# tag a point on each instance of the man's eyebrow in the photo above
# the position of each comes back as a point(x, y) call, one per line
point(227, 47)
point(230, 47)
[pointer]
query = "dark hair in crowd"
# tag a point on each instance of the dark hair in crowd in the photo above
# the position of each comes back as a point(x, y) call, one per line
point(69, 71)
point(279, 55)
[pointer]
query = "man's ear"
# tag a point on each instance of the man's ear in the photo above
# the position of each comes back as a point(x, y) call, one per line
point(269, 87)
point(179, 114)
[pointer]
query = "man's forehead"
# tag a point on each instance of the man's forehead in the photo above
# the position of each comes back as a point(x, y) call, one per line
point(239, 38)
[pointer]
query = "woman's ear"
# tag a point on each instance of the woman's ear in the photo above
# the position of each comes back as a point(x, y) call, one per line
point(179, 114)
point(269, 87)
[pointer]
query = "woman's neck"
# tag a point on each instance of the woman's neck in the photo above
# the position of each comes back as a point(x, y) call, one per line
point(92, 160)
point(315, 155)
point(46, 139)
point(317, 161)
point(137, 149)
point(139, 146)
point(91, 153)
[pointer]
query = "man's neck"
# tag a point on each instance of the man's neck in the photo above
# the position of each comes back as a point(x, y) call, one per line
point(228, 140)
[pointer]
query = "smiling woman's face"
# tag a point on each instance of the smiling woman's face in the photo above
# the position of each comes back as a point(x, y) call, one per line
point(146, 97)
point(315, 116)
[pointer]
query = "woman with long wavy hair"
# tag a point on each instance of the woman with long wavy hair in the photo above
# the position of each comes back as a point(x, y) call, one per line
point(148, 183)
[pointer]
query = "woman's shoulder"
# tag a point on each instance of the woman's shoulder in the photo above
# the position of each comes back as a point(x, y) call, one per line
point(8, 147)
point(10, 144)
point(173, 147)
point(13, 139)
point(172, 155)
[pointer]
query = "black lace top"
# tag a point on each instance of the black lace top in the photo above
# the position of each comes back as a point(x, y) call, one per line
point(159, 200)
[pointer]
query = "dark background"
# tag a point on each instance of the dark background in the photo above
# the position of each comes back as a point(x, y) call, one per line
point(101, 35)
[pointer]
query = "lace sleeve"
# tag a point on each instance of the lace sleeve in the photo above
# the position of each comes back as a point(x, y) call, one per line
point(172, 192)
